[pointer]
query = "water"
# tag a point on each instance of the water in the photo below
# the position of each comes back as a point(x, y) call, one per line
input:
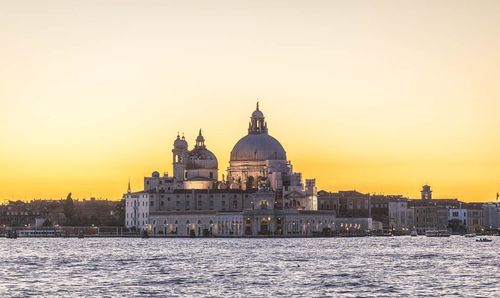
point(371, 266)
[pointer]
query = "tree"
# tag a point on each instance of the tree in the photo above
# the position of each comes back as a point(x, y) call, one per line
point(69, 208)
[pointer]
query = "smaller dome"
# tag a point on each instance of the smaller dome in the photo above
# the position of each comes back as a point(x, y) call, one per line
point(155, 174)
point(257, 114)
point(201, 158)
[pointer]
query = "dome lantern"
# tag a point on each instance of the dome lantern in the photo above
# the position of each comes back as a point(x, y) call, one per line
point(200, 140)
point(258, 144)
point(257, 122)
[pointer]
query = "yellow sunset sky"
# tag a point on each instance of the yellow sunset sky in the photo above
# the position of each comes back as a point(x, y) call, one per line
point(377, 96)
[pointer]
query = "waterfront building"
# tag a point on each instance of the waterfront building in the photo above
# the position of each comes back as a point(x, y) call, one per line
point(346, 204)
point(431, 213)
point(393, 212)
point(401, 217)
point(457, 220)
point(261, 195)
point(491, 216)
point(430, 217)
point(84, 212)
point(475, 218)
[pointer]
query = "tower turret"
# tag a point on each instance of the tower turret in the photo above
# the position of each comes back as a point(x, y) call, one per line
point(426, 192)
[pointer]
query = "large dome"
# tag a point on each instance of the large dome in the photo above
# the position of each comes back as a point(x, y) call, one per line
point(258, 147)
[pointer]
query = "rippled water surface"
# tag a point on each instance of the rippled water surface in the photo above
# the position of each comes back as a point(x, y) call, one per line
point(371, 266)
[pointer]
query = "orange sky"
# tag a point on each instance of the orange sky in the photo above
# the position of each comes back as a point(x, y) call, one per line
point(378, 96)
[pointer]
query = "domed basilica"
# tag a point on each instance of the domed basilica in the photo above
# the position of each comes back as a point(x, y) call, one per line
point(261, 195)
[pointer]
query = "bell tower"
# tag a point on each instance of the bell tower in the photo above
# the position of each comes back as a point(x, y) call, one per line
point(426, 192)
point(179, 154)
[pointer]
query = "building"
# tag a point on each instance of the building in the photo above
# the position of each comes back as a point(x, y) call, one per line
point(401, 217)
point(261, 194)
point(86, 212)
point(475, 218)
point(491, 216)
point(430, 216)
point(431, 213)
point(345, 203)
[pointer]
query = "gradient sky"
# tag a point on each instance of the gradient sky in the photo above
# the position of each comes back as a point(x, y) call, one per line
point(378, 96)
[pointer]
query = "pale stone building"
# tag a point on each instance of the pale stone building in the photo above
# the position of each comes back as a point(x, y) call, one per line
point(261, 195)
point(491, 216)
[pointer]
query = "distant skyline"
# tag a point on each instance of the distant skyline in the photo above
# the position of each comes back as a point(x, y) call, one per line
point(381, 97)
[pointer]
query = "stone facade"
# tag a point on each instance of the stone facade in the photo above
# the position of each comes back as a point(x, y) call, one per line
point(261, 195)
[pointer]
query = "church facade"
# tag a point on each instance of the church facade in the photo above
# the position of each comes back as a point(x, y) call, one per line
point(261, 195)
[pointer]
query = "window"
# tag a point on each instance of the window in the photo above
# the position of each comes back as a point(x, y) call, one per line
point(235, 204)
point(152, 203)
point(211, 175)
point(161, 203)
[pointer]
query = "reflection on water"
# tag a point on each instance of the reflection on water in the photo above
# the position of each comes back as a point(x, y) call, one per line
point(385, 266)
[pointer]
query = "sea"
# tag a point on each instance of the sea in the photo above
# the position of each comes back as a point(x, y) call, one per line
point(250, 267)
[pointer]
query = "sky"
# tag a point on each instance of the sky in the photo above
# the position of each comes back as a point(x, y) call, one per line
point(377, 96)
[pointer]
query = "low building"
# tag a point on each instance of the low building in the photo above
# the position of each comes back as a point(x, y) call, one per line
point(345, 203)
point(491, 216)
point(429, 216)
point(56, 212)
point(457, 220)
point(475, 218)
point(393, 212)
